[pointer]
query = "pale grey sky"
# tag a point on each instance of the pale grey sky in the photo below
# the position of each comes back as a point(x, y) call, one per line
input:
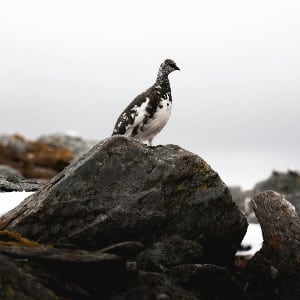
point(77, 64)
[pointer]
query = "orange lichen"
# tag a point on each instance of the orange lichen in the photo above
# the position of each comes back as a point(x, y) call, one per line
point(9, 238)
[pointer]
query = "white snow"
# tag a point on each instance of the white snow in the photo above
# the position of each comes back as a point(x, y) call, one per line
point(10, 200)
point(252, 238)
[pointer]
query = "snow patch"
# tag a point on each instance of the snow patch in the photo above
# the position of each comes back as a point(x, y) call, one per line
point(253, 239)
point(10, 200)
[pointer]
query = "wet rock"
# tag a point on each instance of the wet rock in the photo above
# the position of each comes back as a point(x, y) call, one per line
point(123, 190)
point(14, 184)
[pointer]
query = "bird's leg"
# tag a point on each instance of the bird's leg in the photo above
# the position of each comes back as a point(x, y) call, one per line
point(150, 142)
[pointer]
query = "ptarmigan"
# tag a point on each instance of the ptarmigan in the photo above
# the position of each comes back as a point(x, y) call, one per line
point(149, 112)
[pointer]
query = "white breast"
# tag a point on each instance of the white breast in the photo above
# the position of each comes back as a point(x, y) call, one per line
point(159, 120)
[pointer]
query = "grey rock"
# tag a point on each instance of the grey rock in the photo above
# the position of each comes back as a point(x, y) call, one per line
point(8, 171)
point(287, 184)
point(274, 271)
point(15, 141)
point(284, 183)
point(294, 198)
point(239, 196)
point(14, 184)
point(170, 252)
point(122, 190)
point(76, 144)
point(71, 274)
point(16, 283)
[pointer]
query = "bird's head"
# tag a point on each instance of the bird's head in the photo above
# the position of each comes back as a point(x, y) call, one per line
point(167, 67)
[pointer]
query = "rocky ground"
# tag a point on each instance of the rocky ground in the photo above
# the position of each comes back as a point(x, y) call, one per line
point(41, 159)
point(286, 183)
point(127, 221)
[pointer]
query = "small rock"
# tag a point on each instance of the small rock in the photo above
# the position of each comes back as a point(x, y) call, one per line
point(7, 171)
point(8, 184)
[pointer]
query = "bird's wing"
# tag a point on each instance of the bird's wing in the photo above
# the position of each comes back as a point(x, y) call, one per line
point(132, 115)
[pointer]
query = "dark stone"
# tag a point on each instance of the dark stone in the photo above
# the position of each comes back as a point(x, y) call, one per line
point(73, 274)
point(170, 252)
point(126, 250)
point(123, 190)
point(159, 287)
point(16, 283)
point(208, 282)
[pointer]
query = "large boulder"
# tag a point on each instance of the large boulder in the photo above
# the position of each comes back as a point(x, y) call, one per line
point(122, 190)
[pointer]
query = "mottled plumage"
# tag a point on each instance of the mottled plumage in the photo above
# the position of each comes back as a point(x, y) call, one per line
point(149, 112)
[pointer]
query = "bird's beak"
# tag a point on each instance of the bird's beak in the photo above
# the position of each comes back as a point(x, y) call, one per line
point(176, 68)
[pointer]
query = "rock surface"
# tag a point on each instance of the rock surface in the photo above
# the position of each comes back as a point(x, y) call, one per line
point(14, 184)
point(152, 222)
point(16, 283)
point(284, 183)
point(124, 190)
point(274, 272)
point(7, 171)
point(127, 221)
point(287, 184)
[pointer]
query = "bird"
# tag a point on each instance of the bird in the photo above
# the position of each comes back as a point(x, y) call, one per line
point(149, 112)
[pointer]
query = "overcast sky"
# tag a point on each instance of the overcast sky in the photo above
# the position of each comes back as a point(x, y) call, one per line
point(236, 101)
